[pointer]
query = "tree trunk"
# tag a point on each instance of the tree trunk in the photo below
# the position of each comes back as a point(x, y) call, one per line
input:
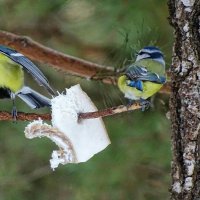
point(185, 99)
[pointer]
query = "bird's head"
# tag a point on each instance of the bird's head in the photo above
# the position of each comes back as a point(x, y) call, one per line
point(151, 52)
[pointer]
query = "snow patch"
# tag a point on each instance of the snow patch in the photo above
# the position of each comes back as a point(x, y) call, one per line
point(188, 9)
point(189, 162)
point(188, 3)
point(188, 184)
point(186, 27)
point(191, 57)
point(177, 187)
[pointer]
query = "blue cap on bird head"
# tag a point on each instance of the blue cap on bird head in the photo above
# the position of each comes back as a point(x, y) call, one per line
point(151, 52)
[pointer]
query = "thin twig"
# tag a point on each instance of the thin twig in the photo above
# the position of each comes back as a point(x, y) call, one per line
point(21, 116)
point(6, 116)
point(109, 111)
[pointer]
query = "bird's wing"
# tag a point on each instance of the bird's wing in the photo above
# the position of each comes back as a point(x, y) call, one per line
point(28, 66)
point(136, 72)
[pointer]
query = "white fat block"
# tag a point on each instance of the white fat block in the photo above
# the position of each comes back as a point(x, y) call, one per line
point(78, 140)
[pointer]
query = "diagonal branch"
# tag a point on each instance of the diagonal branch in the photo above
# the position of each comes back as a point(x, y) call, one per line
point(61, 61)
point(6, 116)
point(58, 60)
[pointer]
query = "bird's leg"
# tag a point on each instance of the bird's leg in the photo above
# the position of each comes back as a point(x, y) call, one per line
point(130, 103)
point(145, 104)
point(14, 109)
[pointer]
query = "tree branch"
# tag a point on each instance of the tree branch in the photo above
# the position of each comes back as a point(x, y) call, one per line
point(109, 111)
point(6, 116)
point(61, 61)
point(21, 116)
point(58, 60)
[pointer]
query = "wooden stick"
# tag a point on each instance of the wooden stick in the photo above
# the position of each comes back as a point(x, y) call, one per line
point(109, 111)
point(21, 116)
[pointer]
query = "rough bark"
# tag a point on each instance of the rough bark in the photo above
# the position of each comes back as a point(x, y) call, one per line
point(185, 99)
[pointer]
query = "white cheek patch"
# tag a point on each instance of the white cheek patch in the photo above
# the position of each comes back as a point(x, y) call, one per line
point(150, 51)
point(16, 54)
point(139, 57)
point(160, 60)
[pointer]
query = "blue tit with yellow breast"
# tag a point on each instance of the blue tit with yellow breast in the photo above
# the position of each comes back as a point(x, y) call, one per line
point(12, 67)
point(145, 77)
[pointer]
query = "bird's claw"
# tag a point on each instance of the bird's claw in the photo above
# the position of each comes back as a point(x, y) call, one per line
point(145, 104)
point(130, 103)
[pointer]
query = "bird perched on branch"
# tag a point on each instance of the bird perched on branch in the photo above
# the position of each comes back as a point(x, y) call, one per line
point(145, 77)
point(12, 67)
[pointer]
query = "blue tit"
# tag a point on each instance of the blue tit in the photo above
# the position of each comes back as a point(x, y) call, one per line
point(12, 67)
point(145, 77)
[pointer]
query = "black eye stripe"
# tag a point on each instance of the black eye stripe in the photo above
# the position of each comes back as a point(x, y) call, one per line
point(156, 55)
point(142, 53)
point(153, 54)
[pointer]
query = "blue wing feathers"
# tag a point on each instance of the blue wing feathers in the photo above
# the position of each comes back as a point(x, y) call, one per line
point(136, 84)
point(140, 73)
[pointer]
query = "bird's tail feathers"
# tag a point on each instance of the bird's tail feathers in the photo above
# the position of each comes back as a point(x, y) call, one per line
point(33, 99)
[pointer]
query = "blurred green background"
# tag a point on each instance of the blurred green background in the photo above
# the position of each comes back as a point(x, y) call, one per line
point(137, 163)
